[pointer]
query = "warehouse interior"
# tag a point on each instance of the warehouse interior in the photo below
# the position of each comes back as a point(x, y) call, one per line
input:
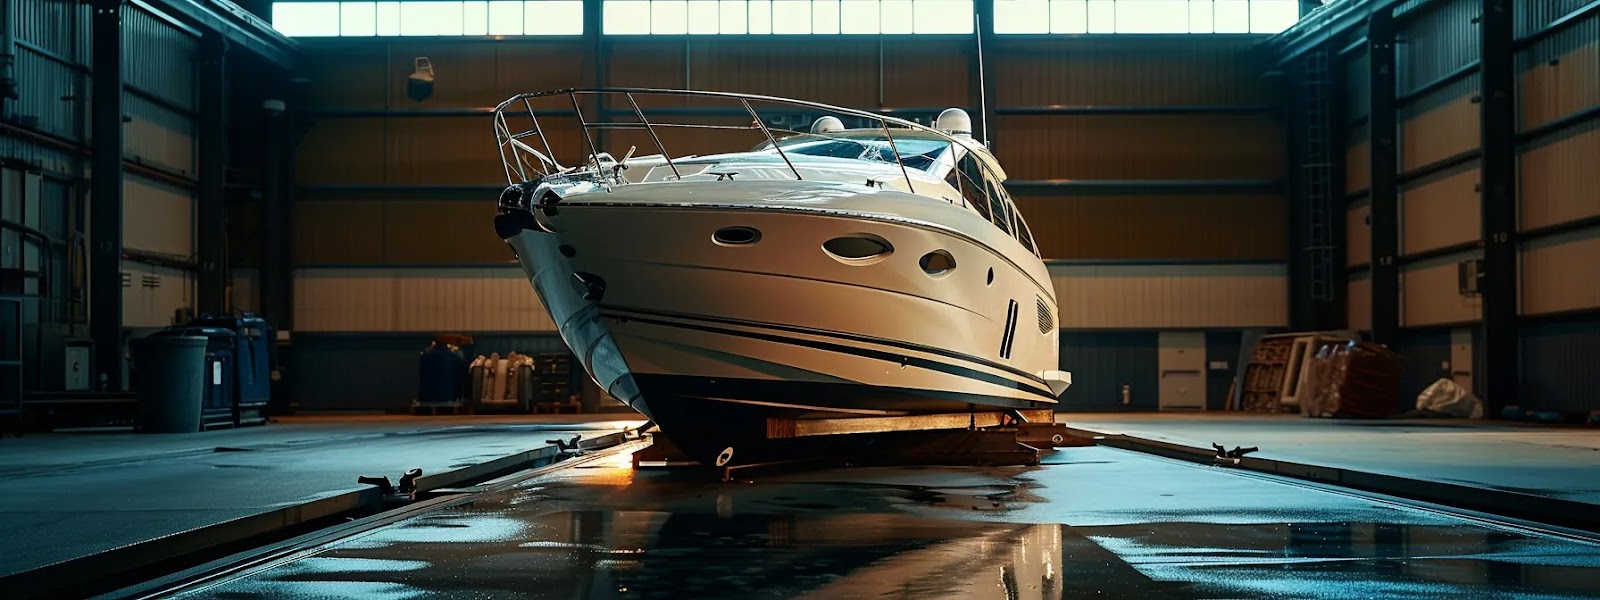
point(1213, 186)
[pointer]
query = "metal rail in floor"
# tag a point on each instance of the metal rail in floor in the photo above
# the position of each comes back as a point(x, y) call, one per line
point(1087, 521)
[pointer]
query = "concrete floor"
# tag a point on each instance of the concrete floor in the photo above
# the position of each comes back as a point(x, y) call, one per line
point(68, 495)
point(1089, 522)
point(1560, 462)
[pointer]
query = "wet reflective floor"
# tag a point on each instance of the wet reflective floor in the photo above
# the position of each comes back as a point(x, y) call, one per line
point(1088, 522)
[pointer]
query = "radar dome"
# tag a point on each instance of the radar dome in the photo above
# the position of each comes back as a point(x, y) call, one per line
point(827, 125)
point(954, 121)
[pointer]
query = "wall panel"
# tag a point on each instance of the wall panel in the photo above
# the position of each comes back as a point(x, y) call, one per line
point(1558, 363)
point(348, 76)
point(1141, 147)
point(1358, 307)
point(158, 136)
point(157, 58)
point(1440, 212)
point(337, 232)
point(1560, 181)
point(1192, 227)
point(645, 62)
point(443, 151)
point(1533, 15)
point(1170, 296)
point(245, 290)
point(53, 94)
point(345, 151)
point(417, 300)
point(1438, 128)
point(840, 71)
point(1560, 75)
point(159, 217)
point(417, 232)
point(154, 294)
point(1102, 362)
point(61, 28)
point(1084, 71)
point(1358, 234)
point(1438, 41)
point(1430, 293)
point(1558, 273)
point(1357, 90)
point(926, 74)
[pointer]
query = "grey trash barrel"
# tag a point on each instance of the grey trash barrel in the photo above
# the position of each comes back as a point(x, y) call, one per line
point(171, 382)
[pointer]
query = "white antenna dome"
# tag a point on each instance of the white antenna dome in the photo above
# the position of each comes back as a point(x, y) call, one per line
point(827, 125)
point(954, 121)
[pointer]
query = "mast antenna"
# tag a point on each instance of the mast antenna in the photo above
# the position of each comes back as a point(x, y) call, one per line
point(983, 99)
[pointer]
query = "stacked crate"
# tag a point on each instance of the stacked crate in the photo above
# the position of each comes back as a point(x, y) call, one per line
point(551, 382)
point(1263, 376)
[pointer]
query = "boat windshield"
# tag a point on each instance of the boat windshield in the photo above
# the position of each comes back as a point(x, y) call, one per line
point(921, 154)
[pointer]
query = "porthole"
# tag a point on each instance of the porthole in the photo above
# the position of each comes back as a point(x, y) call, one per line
point(858, 249)
point(937, 263)
point(990, 280)
point(736, 236)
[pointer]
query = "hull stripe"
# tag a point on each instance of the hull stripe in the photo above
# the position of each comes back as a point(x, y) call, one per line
point(923, 363)
point(833, 334)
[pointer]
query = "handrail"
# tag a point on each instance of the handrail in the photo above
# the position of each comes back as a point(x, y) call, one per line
point(511, 142)
point(520, 167)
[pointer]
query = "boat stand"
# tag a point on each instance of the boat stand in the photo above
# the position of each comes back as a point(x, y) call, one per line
point(1007, 438)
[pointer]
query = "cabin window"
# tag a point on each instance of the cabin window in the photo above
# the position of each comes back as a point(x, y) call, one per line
point(786, 17)
point(428, 18)
point(1144, 16)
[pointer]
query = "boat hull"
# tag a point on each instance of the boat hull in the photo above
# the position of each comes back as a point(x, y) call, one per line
point(715, 342)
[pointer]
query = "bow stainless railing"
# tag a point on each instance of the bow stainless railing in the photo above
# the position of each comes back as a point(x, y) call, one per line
point(527, 154)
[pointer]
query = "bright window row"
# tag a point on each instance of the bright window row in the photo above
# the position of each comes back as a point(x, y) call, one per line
point(676, 17)
point(644, 17)
point(428, 17)
point(1144, 16)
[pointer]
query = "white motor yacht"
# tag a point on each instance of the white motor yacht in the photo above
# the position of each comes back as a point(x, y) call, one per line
point(879, 269)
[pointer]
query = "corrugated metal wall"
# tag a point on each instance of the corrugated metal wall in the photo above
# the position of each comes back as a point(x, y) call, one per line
point(1102, 362)
point(369, 257)
point(159, 72)
point(1430, 293)
point(1440, 210)
point(1188, 296)
point(1558, 363)
point(417, 300)
point(1558, 83)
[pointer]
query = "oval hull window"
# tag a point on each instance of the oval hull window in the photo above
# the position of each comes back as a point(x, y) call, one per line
point(937, 263)
point(858, 249)
point(736, 236)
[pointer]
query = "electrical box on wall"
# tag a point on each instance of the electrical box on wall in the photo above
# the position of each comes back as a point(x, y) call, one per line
point(1469, 273)
point(77, 366)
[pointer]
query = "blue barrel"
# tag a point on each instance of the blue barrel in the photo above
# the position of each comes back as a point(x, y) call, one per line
point(171, 382)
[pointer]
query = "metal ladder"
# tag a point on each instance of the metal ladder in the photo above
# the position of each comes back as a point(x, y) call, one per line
point(1317, 171)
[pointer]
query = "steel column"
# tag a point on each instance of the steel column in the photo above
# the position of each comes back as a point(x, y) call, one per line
point(105, 200)
point(211, 218)
point(1385, 180)
point(1501, 359)
point(276, 275)
point(593, 20)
